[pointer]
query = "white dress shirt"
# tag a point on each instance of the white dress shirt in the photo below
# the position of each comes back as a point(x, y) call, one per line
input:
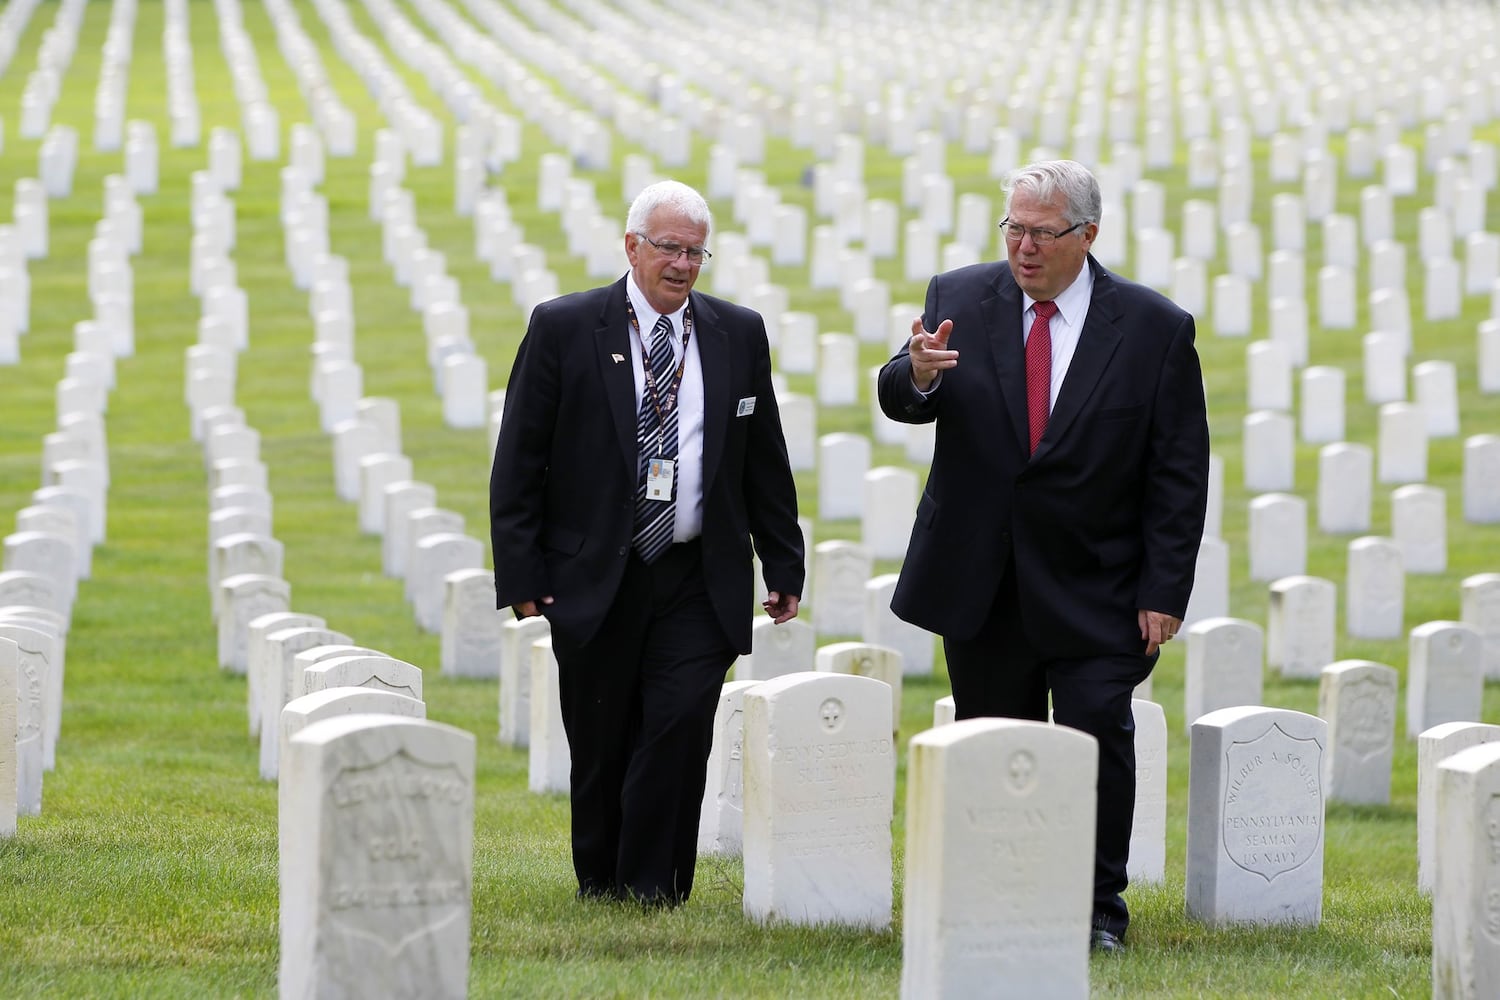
point(1064, 327)
point(689, 472)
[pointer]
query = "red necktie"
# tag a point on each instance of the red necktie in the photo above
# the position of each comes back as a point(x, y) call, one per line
point(1039, 370)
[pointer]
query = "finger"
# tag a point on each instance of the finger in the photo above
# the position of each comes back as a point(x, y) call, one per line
point(942, 333)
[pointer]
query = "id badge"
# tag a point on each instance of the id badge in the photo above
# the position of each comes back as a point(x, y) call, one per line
point(659, 479)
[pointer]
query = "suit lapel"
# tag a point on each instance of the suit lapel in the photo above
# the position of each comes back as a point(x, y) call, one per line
point(1097, 343)
point(613, 338)
point(1002, 316)
point(713, 355)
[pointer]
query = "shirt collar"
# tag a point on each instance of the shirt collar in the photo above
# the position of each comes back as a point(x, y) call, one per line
point(644, 313)
point(1074, 300)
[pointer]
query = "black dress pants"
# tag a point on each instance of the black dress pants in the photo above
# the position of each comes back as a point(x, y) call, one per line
point(638, 703)
point(999, 673)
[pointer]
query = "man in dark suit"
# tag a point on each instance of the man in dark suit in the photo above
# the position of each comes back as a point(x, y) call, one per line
point(639, 455)
point(1056, 539)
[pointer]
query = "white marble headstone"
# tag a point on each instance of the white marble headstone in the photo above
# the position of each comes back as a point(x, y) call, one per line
point(377, 859)
point(999, 861)
point(1434, 746)
point(1444, 676)
point(1466, 875)
point(1224, 666)
point(721, 818)
point(1375, 597)
point(1357, 698)
point(820, 771)
point(1148, 828)
point(1300, 629)
point(1255, 817)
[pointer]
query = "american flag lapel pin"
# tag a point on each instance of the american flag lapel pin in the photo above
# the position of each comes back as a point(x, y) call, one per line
point(618, 358)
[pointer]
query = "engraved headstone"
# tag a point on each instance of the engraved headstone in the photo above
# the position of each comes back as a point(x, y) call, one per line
point(1210, 596)
point(1466, 875)
point(1481, 612)
point(1270, 451)
point(1375, 589)
point(401, 499)
point(10, 704)
point(1482, 479)
point(433, 558)
point(1420, 527)
point(377, 859)
point(1444, 676)
point(1434, 746)
point(471, 625)
point(1322, 404)
point(890, 500)
point(841, 569)
point(1435, 385)
point(34, 651)
point(881, 627)
point(1300, 625)
point(364, 670)
point(1345, 476)
point(247, 596)
point(276, 683)
point(843, 460)
point(376, 472)
point(864, 659)
point(1255, 817)
point(240, 553)
point(255, 655)
point(335, 702)
point(1224, 666)
point(1278, 536)
point(820, 771)
point(314, 655)
point(999, 861)
point(721, 818)
point(1401, 455)
point(787, 648)
point(1357, 698)
point(1148, 828)
point(517, 637)
point(549, 760)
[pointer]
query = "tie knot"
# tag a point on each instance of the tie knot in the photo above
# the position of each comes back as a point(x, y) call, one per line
point(1045, 310)
point(663, 328)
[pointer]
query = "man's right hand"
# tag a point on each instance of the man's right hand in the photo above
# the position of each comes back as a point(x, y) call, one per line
point(929, 353)
point(529, 609)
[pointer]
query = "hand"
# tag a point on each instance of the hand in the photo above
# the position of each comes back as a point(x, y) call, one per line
point(1156, 628)
point(781, 608)
point(929, 353)
point(529, 609)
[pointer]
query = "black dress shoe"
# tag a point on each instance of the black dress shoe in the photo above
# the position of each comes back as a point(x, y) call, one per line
point(1105, 941)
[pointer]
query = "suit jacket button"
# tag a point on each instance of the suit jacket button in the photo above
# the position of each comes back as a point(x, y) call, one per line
point(623, 550)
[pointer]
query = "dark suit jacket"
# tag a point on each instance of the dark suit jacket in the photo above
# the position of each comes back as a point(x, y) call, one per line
point(562, 491)
point(1105, 518)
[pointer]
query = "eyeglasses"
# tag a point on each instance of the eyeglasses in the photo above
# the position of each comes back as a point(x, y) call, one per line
point(1015, 233)
point(696, 256)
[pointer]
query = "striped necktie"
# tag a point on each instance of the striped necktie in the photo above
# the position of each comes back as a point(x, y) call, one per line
point(655, 519)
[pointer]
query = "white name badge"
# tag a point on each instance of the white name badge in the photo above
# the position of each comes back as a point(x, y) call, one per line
point(746, 407)
point(659, 479)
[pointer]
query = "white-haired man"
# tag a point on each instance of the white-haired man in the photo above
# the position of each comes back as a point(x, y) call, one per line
point(640, 457)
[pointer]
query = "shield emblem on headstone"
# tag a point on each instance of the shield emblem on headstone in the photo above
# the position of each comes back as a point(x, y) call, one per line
point(1273, 803)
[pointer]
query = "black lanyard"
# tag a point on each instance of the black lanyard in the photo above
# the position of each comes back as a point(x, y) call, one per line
point(662, 407)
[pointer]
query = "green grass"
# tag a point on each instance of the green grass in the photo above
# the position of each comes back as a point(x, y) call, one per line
point(152, 871)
